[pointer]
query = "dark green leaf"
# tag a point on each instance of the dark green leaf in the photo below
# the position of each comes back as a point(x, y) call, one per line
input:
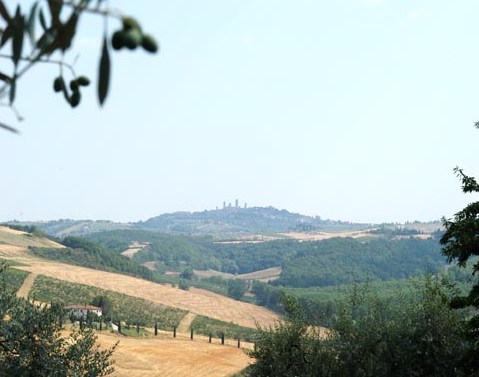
point(45, 40)
point(4, 12)
point(13, 89)
point(67, 32)
point(5, 78)
point(104, 72)
point(55, 9)
point(43, 22)
point(18, 32)
point(31, 23)
point(9, 128)
point(7, 34)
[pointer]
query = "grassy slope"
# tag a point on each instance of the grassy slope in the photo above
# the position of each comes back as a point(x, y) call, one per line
point(14, 279)
point(22, 239)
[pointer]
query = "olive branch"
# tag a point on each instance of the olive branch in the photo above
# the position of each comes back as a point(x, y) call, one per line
point(59, 21)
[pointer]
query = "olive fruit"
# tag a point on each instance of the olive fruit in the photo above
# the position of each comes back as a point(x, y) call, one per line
point(130, 23)
point(83, 81)
point(118, 40)
point(58, 84)
point(75, 99)
point(149, 43)
point(133, 38)
point(74, 86)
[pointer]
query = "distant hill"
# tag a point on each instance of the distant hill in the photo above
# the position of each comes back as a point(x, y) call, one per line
point(68, 227)
point(229, 223)
point(236, 222)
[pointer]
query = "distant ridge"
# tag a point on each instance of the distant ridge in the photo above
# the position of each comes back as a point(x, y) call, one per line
point(242, 221)
point(226, 223)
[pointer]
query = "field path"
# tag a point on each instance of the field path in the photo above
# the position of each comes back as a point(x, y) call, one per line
point(186, 321)
point(27, 285)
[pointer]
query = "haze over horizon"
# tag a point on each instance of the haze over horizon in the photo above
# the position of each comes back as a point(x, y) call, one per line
point(352, 110)
point(240, 207)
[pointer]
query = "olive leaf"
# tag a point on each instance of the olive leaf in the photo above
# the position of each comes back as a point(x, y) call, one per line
point(31, 23)
point(4, 12)
point(43, 22)
point(104, 72)
point(5, 78)
point(13, 90)
point(9, 128)
point(55, 10)
point(7, 34)
point(18, 32)
point(66, 32)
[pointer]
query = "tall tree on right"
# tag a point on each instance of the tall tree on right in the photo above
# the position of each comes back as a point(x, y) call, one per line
point(461, 245)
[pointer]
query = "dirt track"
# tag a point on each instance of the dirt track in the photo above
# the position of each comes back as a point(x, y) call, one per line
point(27, 285)
point(185, 323)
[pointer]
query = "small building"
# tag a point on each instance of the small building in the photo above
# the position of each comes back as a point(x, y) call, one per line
point(82, 310)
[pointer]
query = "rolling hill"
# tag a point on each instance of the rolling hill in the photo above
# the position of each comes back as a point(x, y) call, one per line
point(149, 356)
point(14, 246)
point(226, 223)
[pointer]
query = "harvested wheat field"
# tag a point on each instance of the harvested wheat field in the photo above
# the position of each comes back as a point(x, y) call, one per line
point(134, 248)
point(18, 238)
point(196, 301)
point(268, 274)
point(161, 356)
point(318, 236)
point(265, 275)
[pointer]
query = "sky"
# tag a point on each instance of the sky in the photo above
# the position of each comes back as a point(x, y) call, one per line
point(353, 110)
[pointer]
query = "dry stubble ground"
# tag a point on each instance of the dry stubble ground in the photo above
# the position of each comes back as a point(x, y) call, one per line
point(165, 356)
point(197, 301)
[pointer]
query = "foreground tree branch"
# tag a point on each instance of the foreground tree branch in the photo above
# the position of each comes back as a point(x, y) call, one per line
point(58, 21)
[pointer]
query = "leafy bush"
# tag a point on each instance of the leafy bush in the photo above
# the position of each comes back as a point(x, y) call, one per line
point(411, 335)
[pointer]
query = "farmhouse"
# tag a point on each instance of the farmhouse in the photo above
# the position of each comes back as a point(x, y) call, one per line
point(82, 310)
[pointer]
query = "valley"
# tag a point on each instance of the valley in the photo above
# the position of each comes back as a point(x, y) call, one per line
point(217, 283)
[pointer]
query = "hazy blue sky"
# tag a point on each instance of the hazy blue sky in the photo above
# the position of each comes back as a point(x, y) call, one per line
point(347, 109)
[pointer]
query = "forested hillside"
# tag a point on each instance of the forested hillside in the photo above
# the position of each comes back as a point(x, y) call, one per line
point(346, 260)
point(235, 221)
point(304, 264)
